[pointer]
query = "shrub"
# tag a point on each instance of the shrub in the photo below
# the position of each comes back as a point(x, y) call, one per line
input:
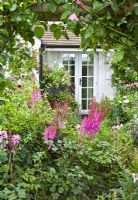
point(57, 85)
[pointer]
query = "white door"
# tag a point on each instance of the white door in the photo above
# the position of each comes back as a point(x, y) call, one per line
point(83, 70)
point(87, 80)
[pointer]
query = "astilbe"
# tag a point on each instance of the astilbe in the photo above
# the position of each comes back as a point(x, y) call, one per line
point(59, 120)
point(36, 96)
point(91, 123)
point(9, 143)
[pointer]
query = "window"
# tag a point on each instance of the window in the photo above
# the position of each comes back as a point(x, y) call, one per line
point(87, 78)
point(69, 64)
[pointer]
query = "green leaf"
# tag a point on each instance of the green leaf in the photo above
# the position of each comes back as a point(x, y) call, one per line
point(52, 7)
point(13, 8)
point(65, 14)
point(4, 32)
point(39, 31)
point(53, 27)
point(118, 56)
point(136, 8)
point(57, 34)
point(114, 7)
point(97, 5)
point(22, 194)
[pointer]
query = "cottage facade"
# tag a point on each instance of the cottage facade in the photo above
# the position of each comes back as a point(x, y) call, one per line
point(90, 75)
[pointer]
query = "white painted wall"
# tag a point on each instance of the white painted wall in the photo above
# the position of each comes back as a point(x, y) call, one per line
point(104, 77)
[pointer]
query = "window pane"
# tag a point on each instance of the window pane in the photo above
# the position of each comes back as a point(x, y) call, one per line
point(72, 58)
point(84, 104)
point(72, 85)
point(84, 82)
point(84, 92)
point(66, 67)
point(90, 59)
point(72, 70)
point(90, 92)
point(90, 82)
point(65, 59)
point(84, 70)
point(72, 80)
point(90, 71)
point(84, 59)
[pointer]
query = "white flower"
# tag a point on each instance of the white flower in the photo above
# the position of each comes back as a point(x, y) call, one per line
point(126, 101)
point(135, 177)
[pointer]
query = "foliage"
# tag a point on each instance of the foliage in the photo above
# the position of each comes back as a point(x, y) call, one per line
point(16, 20)
point(56, 77)
point(123, 108)
point(68, 169)
point(57, 85)
point(128, 190)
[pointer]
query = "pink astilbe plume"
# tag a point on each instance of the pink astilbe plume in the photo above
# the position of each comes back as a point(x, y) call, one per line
point(15, 139)
point(9, 143)
point(61, 113)
point(91, 123)
point(36, 96)
point(59, 121)
point(50, 133)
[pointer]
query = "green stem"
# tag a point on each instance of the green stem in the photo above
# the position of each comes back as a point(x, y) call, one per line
point(9, 154)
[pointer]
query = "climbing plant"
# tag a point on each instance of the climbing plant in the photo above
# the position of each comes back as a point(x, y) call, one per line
point(112, 24)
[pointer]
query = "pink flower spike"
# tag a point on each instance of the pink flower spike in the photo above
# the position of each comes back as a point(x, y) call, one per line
point(80, 4)
point(15, 139)
point(50, 133)
point(73, 17)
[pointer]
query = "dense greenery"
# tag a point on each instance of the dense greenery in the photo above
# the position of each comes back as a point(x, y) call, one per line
point(70, 166)
point(69, 169)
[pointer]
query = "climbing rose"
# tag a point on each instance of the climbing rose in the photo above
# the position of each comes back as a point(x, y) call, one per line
point(73, 17)
point(80, 4)
point(50, 133)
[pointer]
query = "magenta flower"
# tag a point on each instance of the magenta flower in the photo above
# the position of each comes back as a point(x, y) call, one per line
point(91, 124)
point(50, 133)
point(73, 17)
point(80, 4)
point(90, 127)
